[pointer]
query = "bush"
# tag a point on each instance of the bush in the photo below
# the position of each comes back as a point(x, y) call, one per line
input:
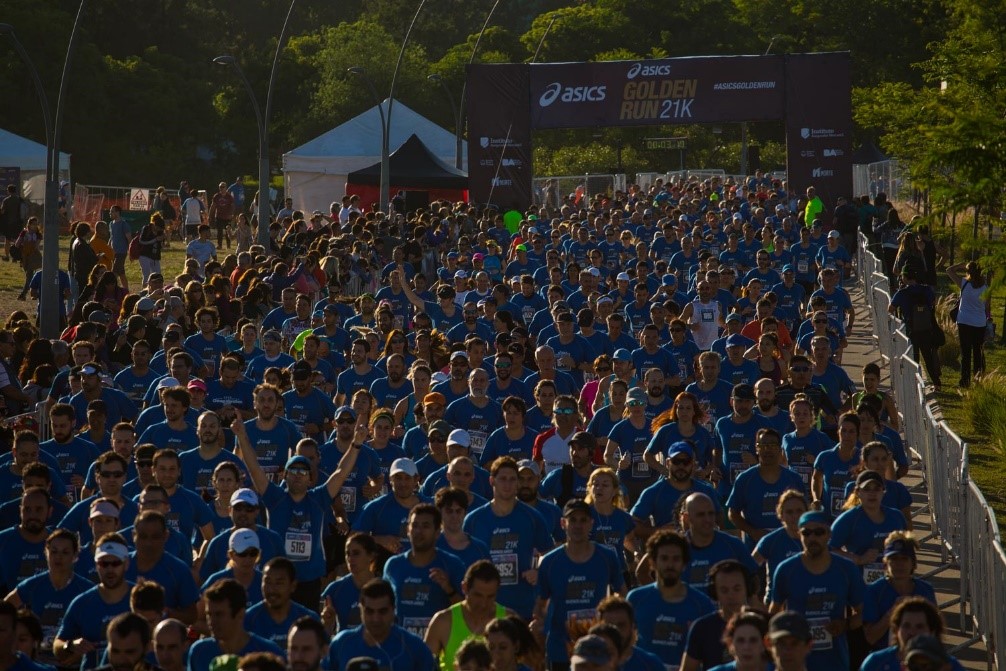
point(985, 410)
point(950, 353)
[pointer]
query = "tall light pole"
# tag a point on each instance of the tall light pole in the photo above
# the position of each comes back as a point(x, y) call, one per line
point(264, 215)
point(50, 294)
point(437, 79)
point(464, 85)
point(385, 127)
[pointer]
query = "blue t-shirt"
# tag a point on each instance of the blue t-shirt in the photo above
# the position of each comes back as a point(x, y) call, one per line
point(475, 550)
point(388, 396)
point(638, 476)
point(259, 621)
point(314, 408)
point(734, 439)
point(241, 395)
point(215, 558)
point(253, 590)
point(20, 559)
point(188, 511)
point(820, 598)
point(701, 441)
point(205, 650)
point(162, 435)
point(300, 524)
point(881, 597)
point(171, 573)
point(76, 519)
point(478, 422)
point(211, 350)
point(119, 407)
point(715, 402)
point(74, 457)
point(197, 472)
point(368, 466)
point(385, 516)
point(273, 446)
point(662, 627)
point(723, 546)
point(658, 502)
point(133, 385)
point(349, 381)
point(777, 546)
point(756, 499)
point(255, 371)
point(344, 597)
point(611, 530)
point(500, 445)
point(888, 659)
point(400, 651)
point(87, 617)
point(573, 590)
point(417, 597)
point(49, 604)
point(512, 540)
point(837, 473)
point(855, 532)
point(802, 451)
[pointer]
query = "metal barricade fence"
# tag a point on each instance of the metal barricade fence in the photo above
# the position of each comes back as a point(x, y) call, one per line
point(961, 517)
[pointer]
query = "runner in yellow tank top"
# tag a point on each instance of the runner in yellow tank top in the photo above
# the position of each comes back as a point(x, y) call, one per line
point(466, 619)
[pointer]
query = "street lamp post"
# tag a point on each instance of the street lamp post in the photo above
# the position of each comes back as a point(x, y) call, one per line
point(50, 294)
point(464, 84)
point(385, 128)
point(264, 215)
point(437, 79)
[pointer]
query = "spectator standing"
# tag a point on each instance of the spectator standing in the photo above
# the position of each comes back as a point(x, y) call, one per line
point(972, 316)
point(120, 237)
point(222, 212)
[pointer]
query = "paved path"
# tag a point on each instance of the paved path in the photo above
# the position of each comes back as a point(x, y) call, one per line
point(862, 350)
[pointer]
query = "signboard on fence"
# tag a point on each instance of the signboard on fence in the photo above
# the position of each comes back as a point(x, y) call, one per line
point(139, 199)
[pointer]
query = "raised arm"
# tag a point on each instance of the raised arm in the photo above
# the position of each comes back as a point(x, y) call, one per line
point(347, 463)
point(409, 293)
point(243, 448)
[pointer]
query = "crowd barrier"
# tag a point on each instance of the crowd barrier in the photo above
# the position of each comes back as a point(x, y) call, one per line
point(962, 519)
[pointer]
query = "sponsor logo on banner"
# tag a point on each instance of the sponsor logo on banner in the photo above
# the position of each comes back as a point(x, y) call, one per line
point(640, 70)
point(833, 153)
point(512, 163)
point(820, 133)
point(807, 153)
point(572, 94)
point(500, 181)
point(743, 86)
point(822, 172)
point(484, 142)
point(486, 162)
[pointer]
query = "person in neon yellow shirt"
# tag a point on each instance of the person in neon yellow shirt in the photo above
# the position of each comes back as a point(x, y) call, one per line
point(814, 207)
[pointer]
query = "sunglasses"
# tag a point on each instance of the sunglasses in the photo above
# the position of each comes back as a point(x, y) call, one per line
point(250, 552)
point(297, 471)
point(800, 369)
point(345, 420)
point(503, 364)
point(244, 507)
point(817, 531)
point(155, 502)
point(109, 563)
point(112, 474)
point(564, 411)
point(636, 404)
point(677, 330)
point(820, 321)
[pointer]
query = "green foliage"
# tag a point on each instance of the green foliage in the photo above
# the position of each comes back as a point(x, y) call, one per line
point(985, 409)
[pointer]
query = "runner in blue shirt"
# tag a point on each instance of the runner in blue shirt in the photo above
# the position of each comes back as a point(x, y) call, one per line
point(150, 561)
point(834, 468)
point(136, 379)
point(513, 439)
point(802, 446)
point(309, 409)
point(341, 598)
point(226, 603)
point(73, 453)
point(859, 533)
point(712, 393)
point(272, 436)
point(784, 542)
point(273, 617)
point(174, 432)
point(273, 357)
point(118, 406)
point(361, 375)
point(824, 588)
point(386, 517)
point(475, 413)
point(425, 578)
point(896, 585)
point(297, 513)
point(188, 513)
point(513, 531)
point(666, 609)
point(24, 545)
point(379, 638)
point(627, 441)
point(245, 507)
point(613, 527)
point(210, 345)
point(656, 506)
point(735, 438)
point(707, 544)
point(573, 579)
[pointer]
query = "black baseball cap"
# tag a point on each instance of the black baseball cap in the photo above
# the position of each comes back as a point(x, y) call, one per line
point(789, 623)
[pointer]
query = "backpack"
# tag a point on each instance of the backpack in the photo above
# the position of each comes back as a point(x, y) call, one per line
point(134, 248)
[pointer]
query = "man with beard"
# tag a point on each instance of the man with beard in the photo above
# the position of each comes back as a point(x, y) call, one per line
point(171, 645)
point(666, 608)
point(528, 301)
point(654, 510)
point(569, 481)
point(306, 406)
point(735, 439)
point(386, 517)
point(318, 365)
point(300, 321)
point(73, 453)
point(111, 475)
point(544, 357)
point(128, 642)
point(188, 510)
point(470, 325)
point(528, 480)
point(82, 633)
point(391, 389)
point(136, 379)
point(272, 342)
point(229, 395)
point(425, 578)
point(513, 531)
point(572, 580)
point(505, 384)
point(467, 618)
point(379, 637)
point(150, 562)
point(225, 611)
point(657, 400)
point(174, 432)
point(271, 436)
point(712, 392)
point(366, 476)
point(651, 355)
point(306, 646)
point(766, 407)
point(476, 413)
point(704, 316)
point(245, 508)
point(823, 587)
point(297, 513)
point(210, 345)
point(199, 463)
point(272, 617)
point(456, 386)
point(574, 354)
point(24, 545)
point(118, 406)
point(707, 544)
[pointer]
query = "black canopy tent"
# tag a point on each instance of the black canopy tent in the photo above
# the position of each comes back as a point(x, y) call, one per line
point(414, 169)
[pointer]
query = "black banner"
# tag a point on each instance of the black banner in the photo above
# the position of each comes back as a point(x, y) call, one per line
point(499, 135)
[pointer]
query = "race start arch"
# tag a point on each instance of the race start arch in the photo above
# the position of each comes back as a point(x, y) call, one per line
point(810, 92)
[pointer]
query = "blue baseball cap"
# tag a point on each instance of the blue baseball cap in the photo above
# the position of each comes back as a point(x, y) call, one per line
point(815, 517)
point(788, 268)
point(669, 280)
point(736, 340)
point(345, 410)
point(622, 354)
point(680, 447)
point(298, 460)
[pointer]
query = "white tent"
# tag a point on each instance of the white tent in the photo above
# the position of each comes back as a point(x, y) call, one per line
point(315, 172)
point(29, 156)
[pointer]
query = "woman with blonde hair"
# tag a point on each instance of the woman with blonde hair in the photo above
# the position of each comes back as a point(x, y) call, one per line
point(613, 526)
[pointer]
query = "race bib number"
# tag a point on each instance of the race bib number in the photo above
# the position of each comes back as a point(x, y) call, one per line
point(582, 615)
point(804, 471)
point(819, 633)
point(506, 564)
point(802, 266)
point(873, 573)
point(416, 625)
point(640, 469)
point(707, 316)
point(348, 497)
point(478, 439)
point(837, 501)
point(736, 469)
point(48, 635)
point(399, 322)
point(298, 545)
